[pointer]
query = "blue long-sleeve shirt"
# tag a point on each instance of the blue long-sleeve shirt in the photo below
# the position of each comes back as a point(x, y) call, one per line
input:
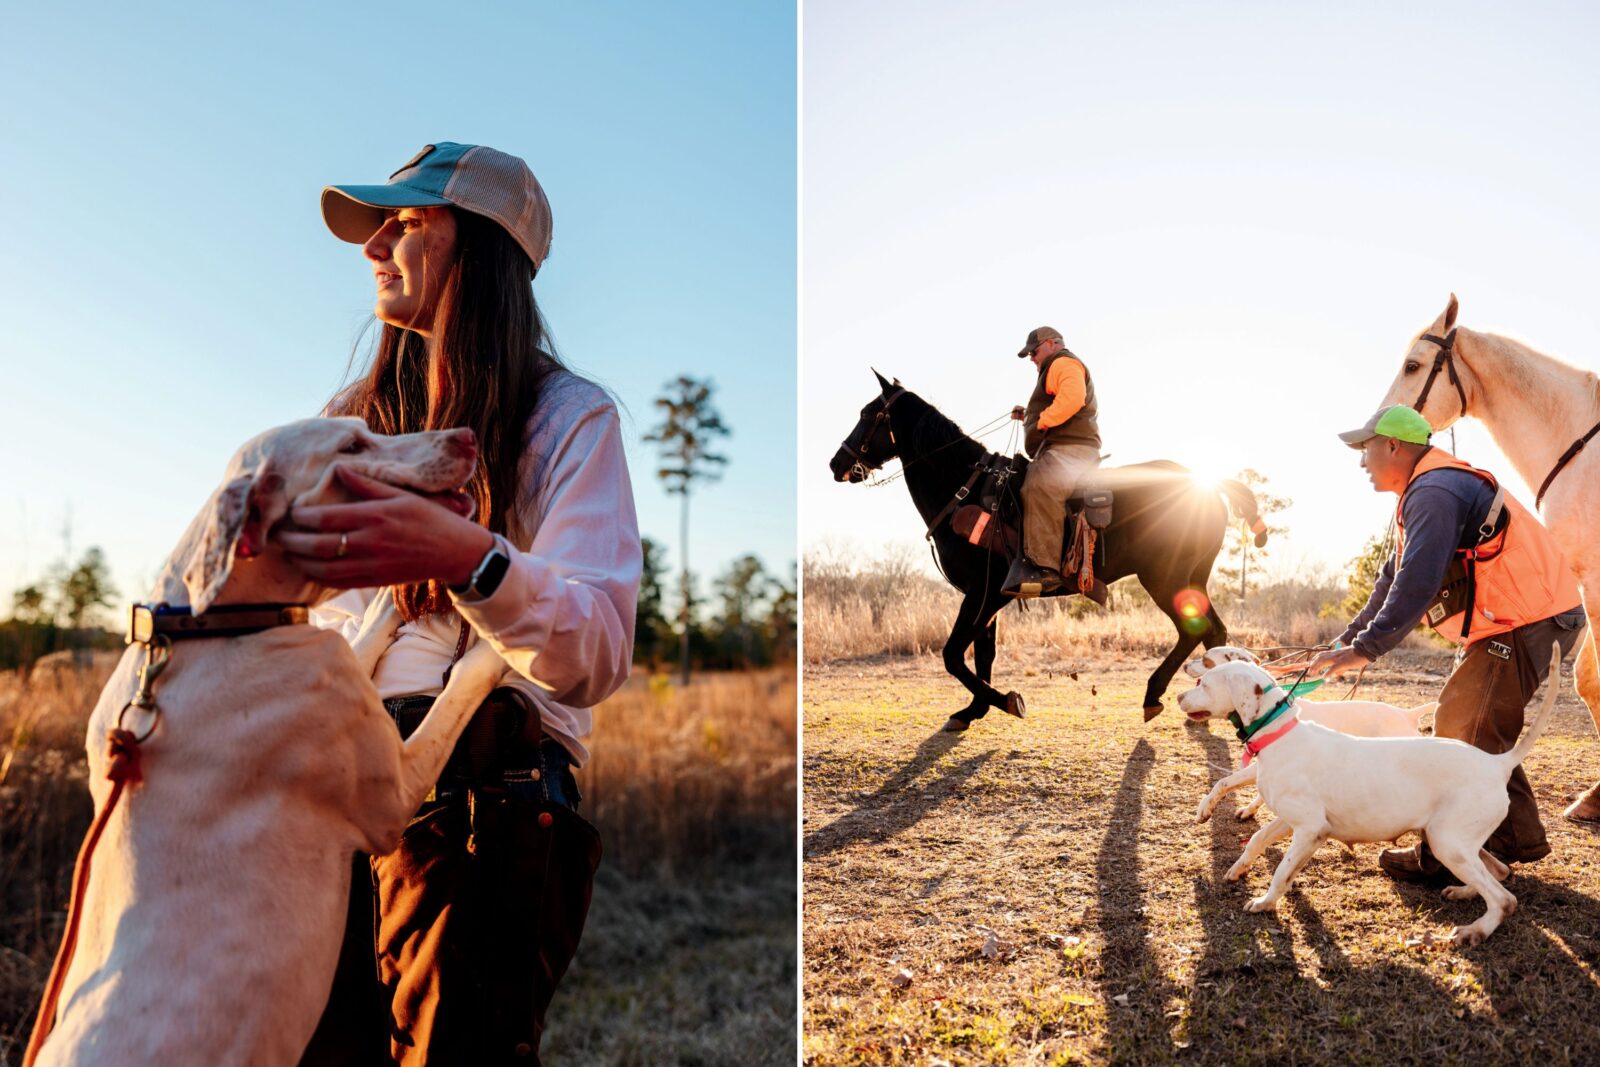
point(1442, 512)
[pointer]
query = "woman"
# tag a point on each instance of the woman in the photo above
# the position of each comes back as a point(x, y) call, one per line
point(477, 914)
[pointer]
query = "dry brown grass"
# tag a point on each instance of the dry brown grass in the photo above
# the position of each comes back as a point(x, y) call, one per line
point(862, 617)
point(689, 951)
point(1070, 837)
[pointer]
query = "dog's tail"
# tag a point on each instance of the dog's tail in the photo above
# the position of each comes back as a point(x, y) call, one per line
point(1243, 502)
point(1419, 711)
point(1510, 761)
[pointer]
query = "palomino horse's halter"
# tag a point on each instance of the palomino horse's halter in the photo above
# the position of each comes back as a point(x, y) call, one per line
point(863, 461)
point(1445, 360)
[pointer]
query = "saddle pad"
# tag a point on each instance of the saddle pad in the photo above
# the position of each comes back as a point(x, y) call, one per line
point(990, 534)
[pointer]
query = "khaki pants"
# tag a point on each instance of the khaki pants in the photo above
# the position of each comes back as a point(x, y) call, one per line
point(1482, 704)
point(1052, 476)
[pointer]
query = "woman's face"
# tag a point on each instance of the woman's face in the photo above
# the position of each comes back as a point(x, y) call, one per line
point(411, 255)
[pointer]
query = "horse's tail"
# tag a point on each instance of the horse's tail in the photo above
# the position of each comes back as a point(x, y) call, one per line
point(1244, 506)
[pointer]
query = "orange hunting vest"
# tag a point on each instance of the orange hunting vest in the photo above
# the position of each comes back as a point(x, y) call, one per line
point(1520, 574)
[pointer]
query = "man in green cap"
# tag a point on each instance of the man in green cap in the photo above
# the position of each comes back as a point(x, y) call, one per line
point(1477, 566)
point(1062, 434)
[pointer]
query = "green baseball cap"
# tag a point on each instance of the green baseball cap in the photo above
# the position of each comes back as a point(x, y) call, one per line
point(1399, 422)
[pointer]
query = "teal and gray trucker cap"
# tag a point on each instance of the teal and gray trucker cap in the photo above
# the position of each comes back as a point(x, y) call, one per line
point(470, 177)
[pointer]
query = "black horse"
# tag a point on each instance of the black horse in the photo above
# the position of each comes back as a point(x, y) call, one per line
point(1166, 529)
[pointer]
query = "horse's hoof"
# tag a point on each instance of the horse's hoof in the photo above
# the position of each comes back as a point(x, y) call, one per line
point(1015, 705)
point(954, 725)
point(1151, 711)
point(1587, 807)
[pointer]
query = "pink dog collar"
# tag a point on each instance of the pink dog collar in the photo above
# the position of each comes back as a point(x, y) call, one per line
point(1253, 747)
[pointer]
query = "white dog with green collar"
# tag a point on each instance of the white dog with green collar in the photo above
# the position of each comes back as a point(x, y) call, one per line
point(1323, 784)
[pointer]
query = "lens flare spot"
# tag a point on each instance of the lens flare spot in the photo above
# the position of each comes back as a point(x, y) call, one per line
point(1192, 606)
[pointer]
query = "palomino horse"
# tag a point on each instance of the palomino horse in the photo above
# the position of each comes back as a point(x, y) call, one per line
point(1166, 529)
point(1537, 409)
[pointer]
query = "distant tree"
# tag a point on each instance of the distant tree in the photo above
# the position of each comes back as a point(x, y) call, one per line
point(85, 588)
point(743, 589)
point(650, 627)
point(1363, 574)
point(689, 428)
point(1239, 542)
point(781, 617)
point(27, 605)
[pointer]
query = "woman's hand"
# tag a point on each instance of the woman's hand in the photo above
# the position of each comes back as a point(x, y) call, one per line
point(388, 537)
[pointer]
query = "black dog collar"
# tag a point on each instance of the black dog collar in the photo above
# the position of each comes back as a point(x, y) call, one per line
point(146, 621)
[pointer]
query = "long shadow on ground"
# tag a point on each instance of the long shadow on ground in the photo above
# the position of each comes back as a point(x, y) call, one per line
point(894, 807)
point(1128, 967)
point(1249, 983)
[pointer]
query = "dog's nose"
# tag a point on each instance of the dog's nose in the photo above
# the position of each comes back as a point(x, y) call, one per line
point(463, 442)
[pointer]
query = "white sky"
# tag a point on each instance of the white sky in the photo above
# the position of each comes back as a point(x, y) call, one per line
point(1236, 215)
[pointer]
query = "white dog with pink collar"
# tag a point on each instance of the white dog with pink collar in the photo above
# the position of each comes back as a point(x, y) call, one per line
point(1324, 784)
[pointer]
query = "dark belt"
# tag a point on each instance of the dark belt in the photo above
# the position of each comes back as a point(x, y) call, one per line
point(501, 750)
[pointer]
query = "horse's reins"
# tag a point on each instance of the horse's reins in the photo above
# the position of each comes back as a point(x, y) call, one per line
point(1445, 360)
point(860, 456)
point(155, 626)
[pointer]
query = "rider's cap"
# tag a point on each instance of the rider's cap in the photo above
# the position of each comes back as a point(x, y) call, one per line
point(1399, 422)
point(470, 177)
point(1043, 333)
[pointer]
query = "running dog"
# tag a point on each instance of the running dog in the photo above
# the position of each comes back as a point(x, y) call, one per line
point(1358, 718)
point(211, 918)
point(1324, 784)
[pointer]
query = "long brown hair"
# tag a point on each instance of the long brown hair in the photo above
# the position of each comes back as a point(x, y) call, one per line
point(490, 357)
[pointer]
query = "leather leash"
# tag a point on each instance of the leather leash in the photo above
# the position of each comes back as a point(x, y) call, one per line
point(155, 626)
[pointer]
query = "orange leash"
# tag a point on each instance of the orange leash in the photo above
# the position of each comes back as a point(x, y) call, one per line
point(122, 754)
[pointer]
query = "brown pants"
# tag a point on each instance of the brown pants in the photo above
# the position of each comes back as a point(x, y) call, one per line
point(455, 941)
point(1482, 704)
point(1052, 476)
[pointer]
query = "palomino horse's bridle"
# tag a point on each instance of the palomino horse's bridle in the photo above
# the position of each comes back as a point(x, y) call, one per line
point(1445, 360)
point(863, 461)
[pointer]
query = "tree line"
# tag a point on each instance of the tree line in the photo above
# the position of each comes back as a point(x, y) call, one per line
point(62, 611)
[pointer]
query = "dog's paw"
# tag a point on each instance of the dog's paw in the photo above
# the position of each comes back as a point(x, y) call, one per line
point(1203, 813)
point(1236, 871)
point(1260, 904)
point(1458, 892)
point(1466, 936)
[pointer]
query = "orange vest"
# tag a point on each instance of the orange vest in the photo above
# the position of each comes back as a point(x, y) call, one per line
point(1521, 576)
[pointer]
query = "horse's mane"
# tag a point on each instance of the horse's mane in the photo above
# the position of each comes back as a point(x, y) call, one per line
point(934, 430)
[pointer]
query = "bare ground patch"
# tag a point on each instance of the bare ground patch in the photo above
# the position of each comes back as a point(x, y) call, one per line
point(1037, 892)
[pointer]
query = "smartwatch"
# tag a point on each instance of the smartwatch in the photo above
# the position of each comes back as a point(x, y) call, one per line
point(486, 577)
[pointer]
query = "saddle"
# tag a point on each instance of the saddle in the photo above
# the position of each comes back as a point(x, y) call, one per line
point(994, 521)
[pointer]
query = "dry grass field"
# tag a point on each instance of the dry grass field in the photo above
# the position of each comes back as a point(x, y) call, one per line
point(1037, 891)
point(688, 956)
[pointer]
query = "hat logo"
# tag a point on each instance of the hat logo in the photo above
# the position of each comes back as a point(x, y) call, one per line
point(414, 160)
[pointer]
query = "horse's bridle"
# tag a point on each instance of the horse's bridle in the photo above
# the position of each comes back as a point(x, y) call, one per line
point(1445, 360)
point(862, 462)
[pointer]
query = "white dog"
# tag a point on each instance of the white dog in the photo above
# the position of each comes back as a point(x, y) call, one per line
point(1324, 784)
point(1358, 718)
point(211, 921)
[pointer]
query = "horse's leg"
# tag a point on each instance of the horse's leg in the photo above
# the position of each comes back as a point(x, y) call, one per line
point(969, 629)
point(1162, 593)
point(1587, 807)
point(983, 650)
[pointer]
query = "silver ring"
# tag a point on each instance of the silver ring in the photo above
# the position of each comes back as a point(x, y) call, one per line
point(344, 546)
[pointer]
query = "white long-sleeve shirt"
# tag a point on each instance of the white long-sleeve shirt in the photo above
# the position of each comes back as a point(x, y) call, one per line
point(563, 616)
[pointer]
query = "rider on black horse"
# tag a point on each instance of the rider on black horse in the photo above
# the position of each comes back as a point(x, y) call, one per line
point(1063, 437)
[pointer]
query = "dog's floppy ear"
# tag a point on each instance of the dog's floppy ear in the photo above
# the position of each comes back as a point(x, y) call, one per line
point(235, 524)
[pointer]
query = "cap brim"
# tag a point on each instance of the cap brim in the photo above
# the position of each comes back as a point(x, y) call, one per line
point(1357, 438)
point(1025, 352)
point(354, 212)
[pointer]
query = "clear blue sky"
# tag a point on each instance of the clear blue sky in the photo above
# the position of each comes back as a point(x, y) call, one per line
point(168, 288)
point(1237, 214)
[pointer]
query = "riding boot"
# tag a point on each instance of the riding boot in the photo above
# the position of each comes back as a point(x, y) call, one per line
point(1026, 579)
point(1098, 592)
